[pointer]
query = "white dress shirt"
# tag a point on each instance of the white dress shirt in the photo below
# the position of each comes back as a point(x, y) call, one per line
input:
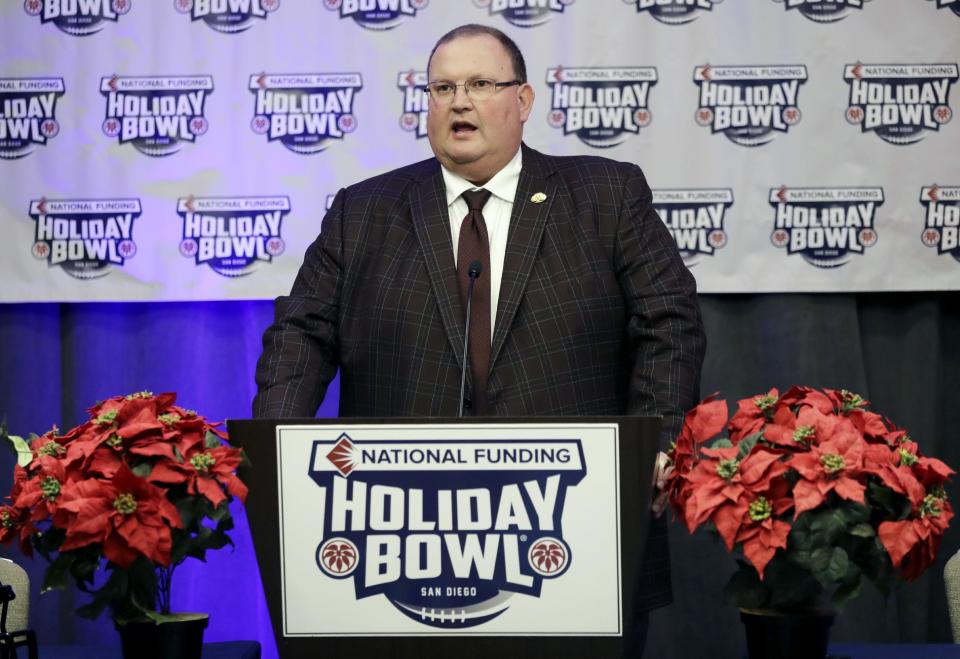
point(496, 215)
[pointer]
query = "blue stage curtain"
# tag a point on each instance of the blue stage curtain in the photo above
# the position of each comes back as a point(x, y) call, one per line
point(901, 351)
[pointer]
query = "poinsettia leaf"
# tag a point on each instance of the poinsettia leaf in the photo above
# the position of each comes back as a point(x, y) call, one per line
point(845, 592)
point(218, 513)
point(57, 575)
point(854, 513)
point(48, 542)
point(830, 564)
point(211, 440)
point(18, 445)
point(747, 443)
point(143, 469)
point(896, 506)
point(723, 442)
point(801, 537)
point(744, 589)
point(191, 510)
point(827, 525)
point(862, 530)
point(85, 565)
point(795, 585)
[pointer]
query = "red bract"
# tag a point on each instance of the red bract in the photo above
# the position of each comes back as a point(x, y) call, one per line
point(127, 514)
point(752, 414)
point(824, 455)
point(913, 543)
point(834, 465)
point(761, 532)
point(205, 472)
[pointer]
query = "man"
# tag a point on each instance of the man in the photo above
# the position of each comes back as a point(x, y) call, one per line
point(582, 306)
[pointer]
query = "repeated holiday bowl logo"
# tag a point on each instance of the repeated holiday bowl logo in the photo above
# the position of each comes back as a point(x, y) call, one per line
point(304, 111)
point(600, 105)
point(674, 12)
point(86, 238)
point(899, 102)
point(377, 14)
point(447, 530)
point(941, 222)
point(78, 17)
point(413, 86)
point(232, 235)
point(695, 218)
point(156, 114)
point(227, 16)
point(28, 116)
point(749, 104)
point(821, 11)
point(524, 13)
point(952, 5)
point(826, 226)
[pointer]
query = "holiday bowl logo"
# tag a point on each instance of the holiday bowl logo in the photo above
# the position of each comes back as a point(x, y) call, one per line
point(695, 218)
point(232, 235)
point(157, 114)
point(78, 17)
point(899, 102)
point(305, 112)
point(749, 104)
point(674, 12)
point(27, 114)
point(601, 106)
point(823, 11)
point(447, 530)
point(227, 16)
point(524, 13)
point(413, 85)
point(377, 14)
point(85, 237)
point(942, 222)
point(826, 226)
point(953, 5)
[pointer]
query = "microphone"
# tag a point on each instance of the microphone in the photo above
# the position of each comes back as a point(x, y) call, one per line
point(473, 273)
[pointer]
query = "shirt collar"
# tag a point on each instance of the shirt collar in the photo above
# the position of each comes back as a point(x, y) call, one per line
point(503, 184)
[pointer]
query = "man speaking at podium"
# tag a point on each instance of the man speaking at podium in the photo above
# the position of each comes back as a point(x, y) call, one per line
point(579, 302)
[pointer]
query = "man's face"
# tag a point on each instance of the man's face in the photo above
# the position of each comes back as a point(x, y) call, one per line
point(476, 138)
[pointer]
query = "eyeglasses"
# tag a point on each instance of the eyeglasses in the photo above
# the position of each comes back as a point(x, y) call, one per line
point(476, 88)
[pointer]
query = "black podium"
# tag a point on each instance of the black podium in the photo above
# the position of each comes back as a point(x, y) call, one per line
point(472, 537)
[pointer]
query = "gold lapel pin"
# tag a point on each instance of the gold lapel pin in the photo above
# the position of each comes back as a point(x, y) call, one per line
point(538, 198)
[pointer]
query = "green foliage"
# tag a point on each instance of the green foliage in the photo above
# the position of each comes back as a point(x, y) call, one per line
point(830, 551)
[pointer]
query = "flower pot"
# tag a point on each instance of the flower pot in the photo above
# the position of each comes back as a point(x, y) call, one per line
point(181, 638)
point(779, 635)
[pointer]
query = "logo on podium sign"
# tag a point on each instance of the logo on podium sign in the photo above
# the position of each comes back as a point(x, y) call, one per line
point(421, 530)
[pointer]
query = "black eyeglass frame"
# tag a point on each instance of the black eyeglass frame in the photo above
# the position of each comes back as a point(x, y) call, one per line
point(497, 86)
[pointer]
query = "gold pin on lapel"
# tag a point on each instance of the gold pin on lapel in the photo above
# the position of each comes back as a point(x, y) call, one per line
point(538, 198)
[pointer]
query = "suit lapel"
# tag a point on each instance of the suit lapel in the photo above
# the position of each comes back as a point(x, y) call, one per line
point(428, 208)
point(527, 222)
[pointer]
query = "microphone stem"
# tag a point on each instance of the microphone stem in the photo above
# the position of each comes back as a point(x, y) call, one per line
point(466, 340)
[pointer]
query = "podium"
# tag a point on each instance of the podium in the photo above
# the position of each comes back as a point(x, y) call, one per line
point(475, 537)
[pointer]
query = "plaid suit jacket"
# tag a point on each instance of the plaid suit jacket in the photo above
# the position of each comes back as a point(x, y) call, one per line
point(597, 313)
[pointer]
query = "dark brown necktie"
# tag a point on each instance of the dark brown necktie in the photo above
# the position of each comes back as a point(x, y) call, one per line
point(474, 245)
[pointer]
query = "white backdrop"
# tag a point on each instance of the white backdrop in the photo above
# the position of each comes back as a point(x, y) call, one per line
point(186, 149)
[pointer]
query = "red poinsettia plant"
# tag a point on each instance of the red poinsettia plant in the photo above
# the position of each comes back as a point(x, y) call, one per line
point(813, 490)
point(138, 488)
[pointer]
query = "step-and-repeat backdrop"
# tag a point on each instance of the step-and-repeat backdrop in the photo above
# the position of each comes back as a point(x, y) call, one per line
point(188, 149)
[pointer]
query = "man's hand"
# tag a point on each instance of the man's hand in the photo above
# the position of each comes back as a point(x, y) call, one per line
point(661, 471)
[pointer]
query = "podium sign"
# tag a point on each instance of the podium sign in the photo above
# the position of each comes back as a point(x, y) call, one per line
point(450, 529)
point(449, 536)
